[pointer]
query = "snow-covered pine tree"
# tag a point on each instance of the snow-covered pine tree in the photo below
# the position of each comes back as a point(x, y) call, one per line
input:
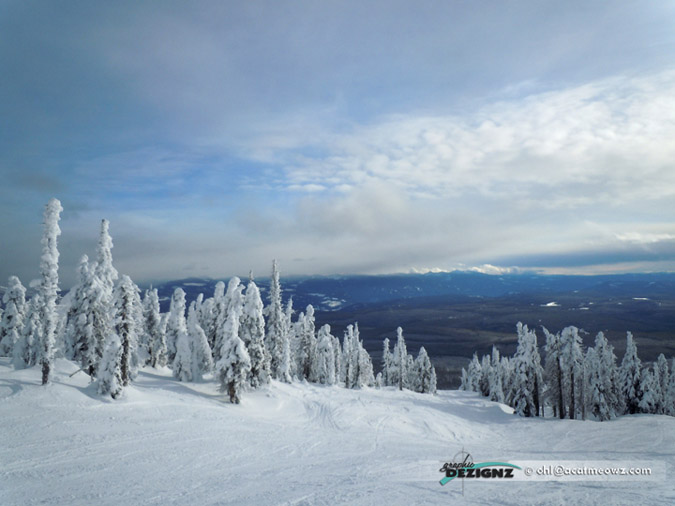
point(495, 377)
point(572, 360)
point(365, 376)
point(213, 313)
point(13, 316)
point(104, 269)
point(126, 322)
point(651, 392)
point(662, 376)
point(176, 323)
point(553, 373)
point(473, 374)
point(25, 349)
point(78, 326)
point(325, 357)
point(386, 361)
point(154, 329)
point(426, 375)
point(110, 370)
point(337, 353)
point(234, 365)
point(349, 373)
point(182, 362)
point(670, 391)
point(277, 334)
point(49, 286)
point(601, 372)
point(485, 371)
point(527, 374)
point(234, 300)
point(307, 345)
point(252, 332)
point(201, 360)
point(630, 385)
point(400, 368)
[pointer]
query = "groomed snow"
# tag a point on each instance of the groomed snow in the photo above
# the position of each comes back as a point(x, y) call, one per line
point(168, 442)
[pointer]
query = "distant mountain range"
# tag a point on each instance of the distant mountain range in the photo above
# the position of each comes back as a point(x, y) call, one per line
point(334, 293)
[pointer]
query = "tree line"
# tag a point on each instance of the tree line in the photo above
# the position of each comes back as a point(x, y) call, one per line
point(572, 383)
point(111, 332)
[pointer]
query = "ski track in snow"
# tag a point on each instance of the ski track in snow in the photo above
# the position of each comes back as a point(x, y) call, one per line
point(167, 442)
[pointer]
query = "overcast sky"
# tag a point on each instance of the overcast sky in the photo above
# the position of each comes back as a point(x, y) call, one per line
point(339, 137)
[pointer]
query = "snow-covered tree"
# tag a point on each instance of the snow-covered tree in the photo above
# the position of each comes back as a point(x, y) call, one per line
point(201, 360)
point(473, 374)
point(662, 377)
point(176, 323)
point(110, 369)
point(233, 301)
point(49, 286)
point(126, 301)
point(495, 385)
point(386, 362)
point(399, 371)
point(651, 392)
point(153, 328)
point(182, 362)
point(25, 349)
point(234, 365)
point(13, 316)
point(670, 391)
point(572, 360)
point(553, 374)
point(630, 384)
point(325, 357)
point(252, 332)
point(528, 374)
point(277, 336)
point(600, 365)
point(307, 344)
point(425, 373)
point(104, 270)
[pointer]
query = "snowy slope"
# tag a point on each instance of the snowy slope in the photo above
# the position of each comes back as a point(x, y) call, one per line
point(167, 442)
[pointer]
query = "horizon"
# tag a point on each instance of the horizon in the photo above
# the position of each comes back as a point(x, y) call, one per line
point(340, 137)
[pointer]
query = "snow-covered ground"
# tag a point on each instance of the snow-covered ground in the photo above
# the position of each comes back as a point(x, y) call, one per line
point(168, 442)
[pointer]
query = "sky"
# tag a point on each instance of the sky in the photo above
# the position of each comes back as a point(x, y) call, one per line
point(339, 137)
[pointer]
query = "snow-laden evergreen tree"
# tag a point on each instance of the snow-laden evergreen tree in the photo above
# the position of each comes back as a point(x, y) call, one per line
point(49, 286)
point(572, 360)
point(365, 375)
point(234, 365)
point(651, 392)
point(154, 329)
point(528, 374)
point(662, 376)
point(325, 357)
point(201, 360)
point(337, 353)
point(485, 372)
point(349, 364)
point(79, 329)
point(386, 362)
point(495, 384)
point(182, 362)
point(25, 349)
point(126, 321)
point(473, 374)
point(400, 369)
point(277, 335)
point(104, 270)
point(233, 301)
point(670, 391)
point(110, 368)
point(252, 332)
point(425, 374)
point(13, 316)
point(553, 374)
point(630, 385)
point(176, 323)
point(601, 377)
point(213, 313)
point(307, 341)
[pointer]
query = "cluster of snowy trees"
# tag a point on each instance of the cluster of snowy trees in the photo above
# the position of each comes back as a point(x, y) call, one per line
point(110, 331)
point(573, 383)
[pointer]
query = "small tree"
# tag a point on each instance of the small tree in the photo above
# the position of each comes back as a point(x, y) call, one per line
point(154, 329)
point(176, 324)
point(630, 384)
point(25, 349)
point(110, 371)
point(201, 360)
point(325, 357)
